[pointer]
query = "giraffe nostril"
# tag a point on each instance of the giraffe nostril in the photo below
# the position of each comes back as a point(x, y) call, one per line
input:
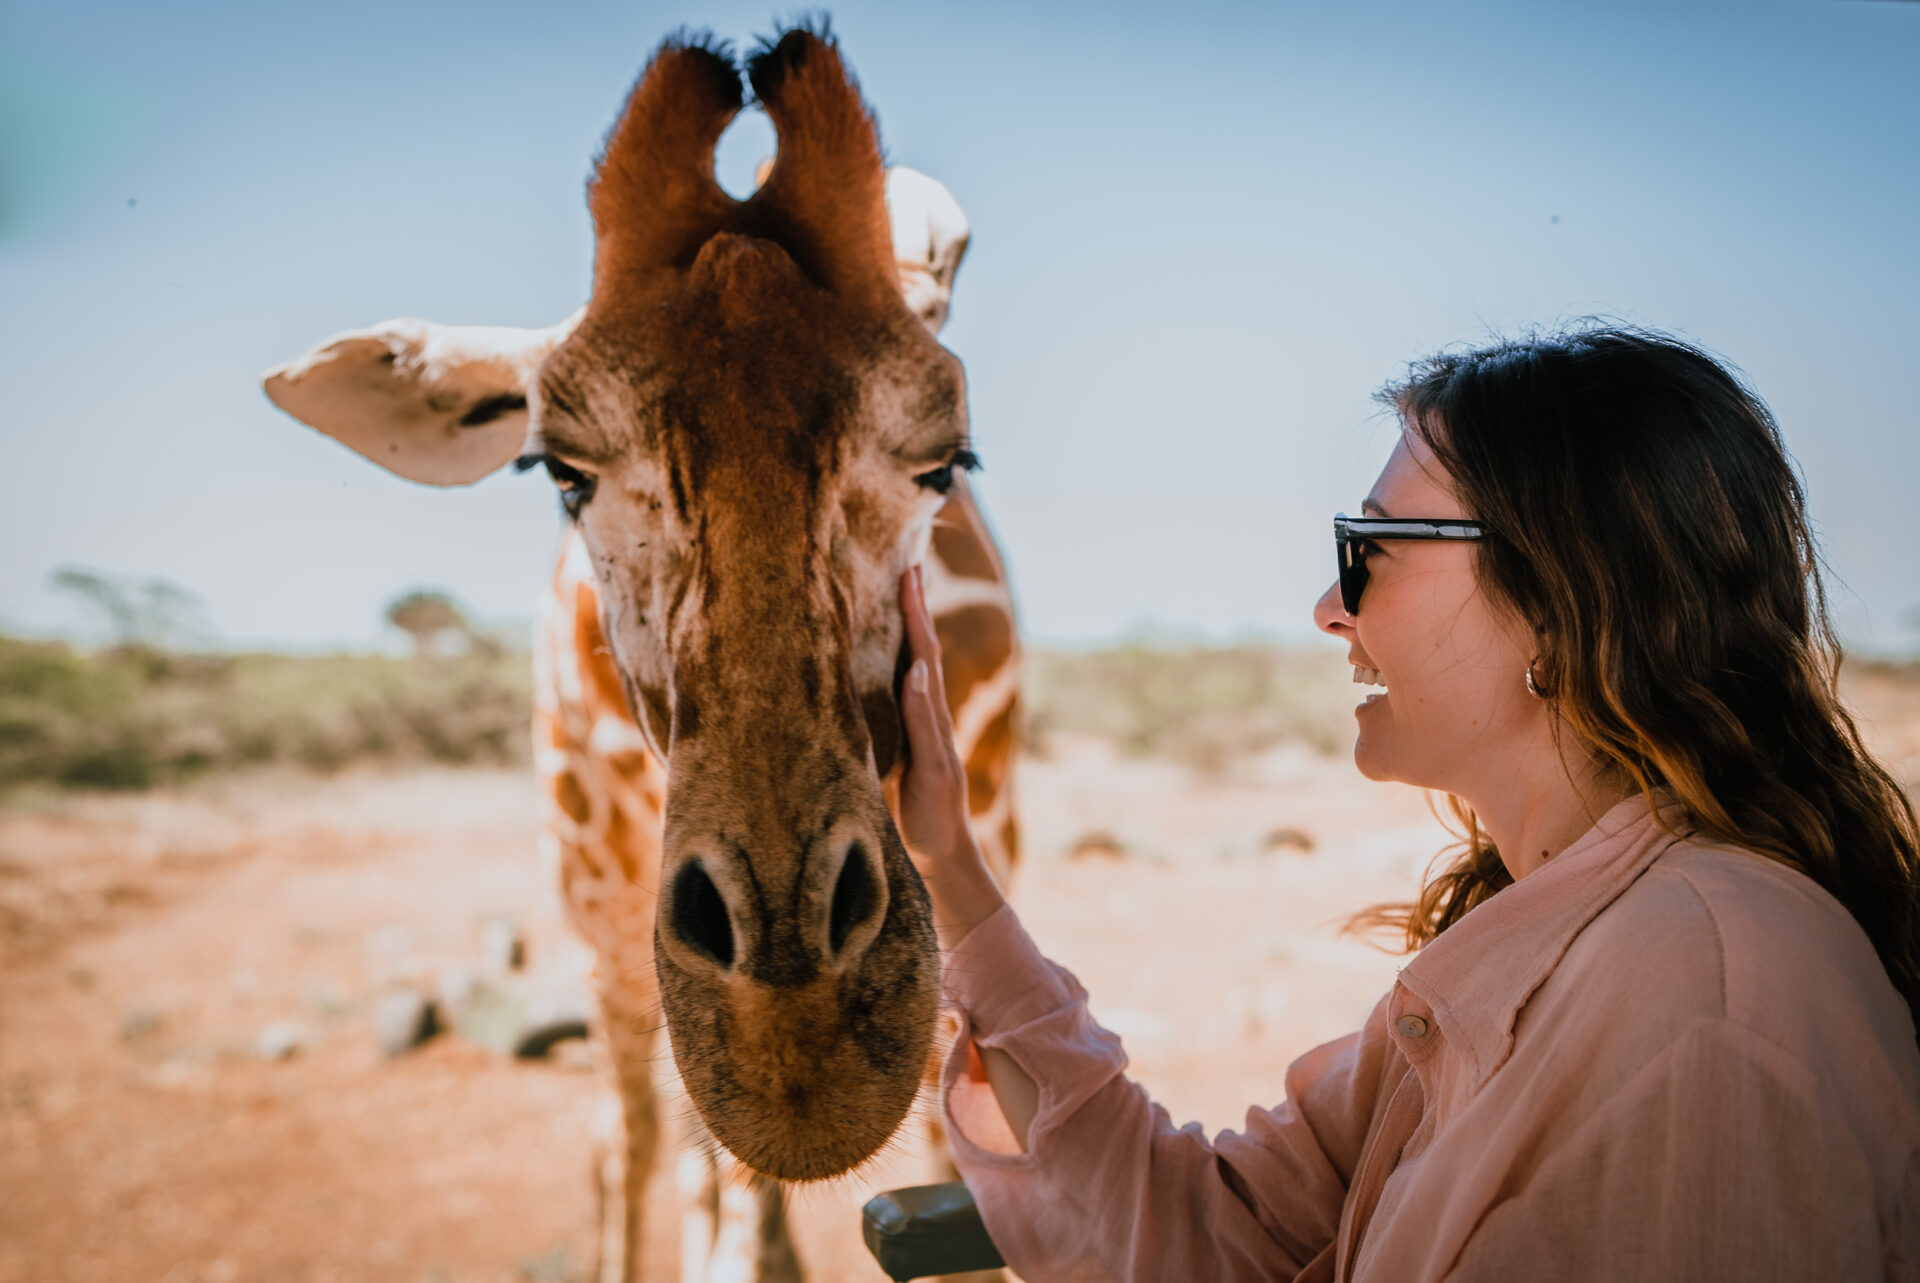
point(699, 914)
point(854, 898)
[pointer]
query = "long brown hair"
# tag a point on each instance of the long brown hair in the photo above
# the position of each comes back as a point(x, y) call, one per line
point(1647, 518)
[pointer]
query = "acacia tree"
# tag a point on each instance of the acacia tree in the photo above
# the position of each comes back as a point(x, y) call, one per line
point(152, 613)
point(428, 616)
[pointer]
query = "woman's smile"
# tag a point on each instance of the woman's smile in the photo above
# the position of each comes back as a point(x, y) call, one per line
point(1367, 675)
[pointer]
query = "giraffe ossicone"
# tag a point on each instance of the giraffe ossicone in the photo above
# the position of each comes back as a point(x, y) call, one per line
point(754, 432)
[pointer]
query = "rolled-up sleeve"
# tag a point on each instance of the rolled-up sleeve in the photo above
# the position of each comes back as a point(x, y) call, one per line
point(1109, 1188)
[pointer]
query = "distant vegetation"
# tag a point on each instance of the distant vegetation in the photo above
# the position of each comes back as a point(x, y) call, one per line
point(157, 706)
point(134, 716)
point(1206, 707)
point(434, 622)
point(145, 612)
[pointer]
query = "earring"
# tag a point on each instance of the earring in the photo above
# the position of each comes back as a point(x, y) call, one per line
point(1533, 687)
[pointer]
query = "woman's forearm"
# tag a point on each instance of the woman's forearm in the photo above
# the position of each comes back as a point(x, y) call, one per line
point(962, 889)
point(1018, 1095)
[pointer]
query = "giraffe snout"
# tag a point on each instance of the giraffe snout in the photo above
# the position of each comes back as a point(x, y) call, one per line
point(699, 917)
point(730, 915)
point(854, 910)
point(801, 981)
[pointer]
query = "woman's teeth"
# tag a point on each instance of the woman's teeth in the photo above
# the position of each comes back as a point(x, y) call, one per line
point(1367, 676)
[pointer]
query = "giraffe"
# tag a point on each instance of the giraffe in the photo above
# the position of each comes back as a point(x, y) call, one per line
point(752, 431)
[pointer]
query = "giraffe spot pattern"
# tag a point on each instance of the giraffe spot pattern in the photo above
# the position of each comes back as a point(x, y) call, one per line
point(974, 642)
point(987, 764)
point(962, 553)
point(571, 797)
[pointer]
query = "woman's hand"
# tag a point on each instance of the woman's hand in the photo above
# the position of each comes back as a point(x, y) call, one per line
point(933, 791)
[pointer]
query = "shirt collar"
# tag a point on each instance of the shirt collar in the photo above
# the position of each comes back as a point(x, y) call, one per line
point(1480, 972)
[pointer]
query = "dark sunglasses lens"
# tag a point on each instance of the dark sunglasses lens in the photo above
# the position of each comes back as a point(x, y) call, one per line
point(1353, 574)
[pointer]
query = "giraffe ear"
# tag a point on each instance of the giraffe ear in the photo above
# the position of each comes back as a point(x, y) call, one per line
point(930, 234)
point(440, 404)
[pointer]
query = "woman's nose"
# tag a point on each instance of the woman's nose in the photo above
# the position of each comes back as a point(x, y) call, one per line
point(1329, 615)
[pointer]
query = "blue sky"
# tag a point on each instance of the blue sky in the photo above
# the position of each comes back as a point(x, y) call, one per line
point(1201, 240)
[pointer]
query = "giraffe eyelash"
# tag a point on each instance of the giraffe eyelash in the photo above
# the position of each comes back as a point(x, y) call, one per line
point(940, 480)
point(575, 486)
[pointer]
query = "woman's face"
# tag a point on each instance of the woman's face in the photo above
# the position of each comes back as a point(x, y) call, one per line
point(1455, 711)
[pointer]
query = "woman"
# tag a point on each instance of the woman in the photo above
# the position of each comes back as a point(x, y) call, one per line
point(1660, 1023)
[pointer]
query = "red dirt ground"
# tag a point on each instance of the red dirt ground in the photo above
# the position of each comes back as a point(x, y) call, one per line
point(146, 942)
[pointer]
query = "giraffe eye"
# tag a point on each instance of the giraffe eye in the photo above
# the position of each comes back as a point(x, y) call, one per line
point(940, 480)
point(575, 486)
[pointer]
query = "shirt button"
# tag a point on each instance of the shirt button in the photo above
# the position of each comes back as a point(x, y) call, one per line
point(1412, 1026)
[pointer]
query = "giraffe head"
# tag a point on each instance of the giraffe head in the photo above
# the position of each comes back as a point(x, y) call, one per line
point(751, 426)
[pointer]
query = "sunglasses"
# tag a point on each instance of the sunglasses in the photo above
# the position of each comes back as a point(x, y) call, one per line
point(1352, 534)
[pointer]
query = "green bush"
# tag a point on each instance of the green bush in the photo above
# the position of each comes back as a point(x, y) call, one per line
point(132, 717)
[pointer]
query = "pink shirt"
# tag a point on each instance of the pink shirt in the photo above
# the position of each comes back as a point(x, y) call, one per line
point(1650, 1059)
